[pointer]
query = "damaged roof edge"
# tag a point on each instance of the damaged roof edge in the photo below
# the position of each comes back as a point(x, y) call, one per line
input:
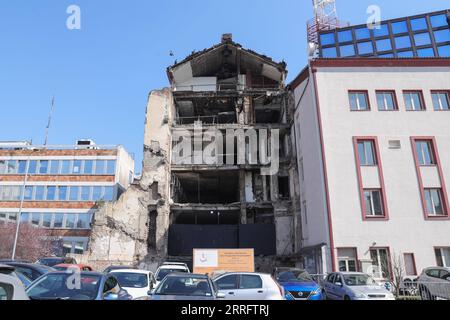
point(281, 66)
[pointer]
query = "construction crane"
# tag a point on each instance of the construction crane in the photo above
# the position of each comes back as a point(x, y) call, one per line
point(325, 18)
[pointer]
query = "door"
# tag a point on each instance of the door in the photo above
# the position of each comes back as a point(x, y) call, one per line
point(251, 288)
point(338, 290)
point(328, 286)
point(228, 285)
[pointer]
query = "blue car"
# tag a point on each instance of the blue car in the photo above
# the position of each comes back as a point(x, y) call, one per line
point(298, 284)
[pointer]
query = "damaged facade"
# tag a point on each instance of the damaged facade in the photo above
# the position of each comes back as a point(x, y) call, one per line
point(183, 202)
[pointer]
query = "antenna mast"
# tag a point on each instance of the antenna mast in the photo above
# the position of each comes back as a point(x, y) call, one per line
point(325, 18)
point(49, 120)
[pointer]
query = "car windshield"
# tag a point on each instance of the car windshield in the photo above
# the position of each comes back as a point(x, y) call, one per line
point(358, 280)
point(55, 286)
point(294, 275)
point(132, 280)
point(50, 261)
point(23, 278)
point(185, 286)
point(162, 273)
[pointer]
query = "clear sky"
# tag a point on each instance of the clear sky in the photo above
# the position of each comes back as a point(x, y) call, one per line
point(101, 75)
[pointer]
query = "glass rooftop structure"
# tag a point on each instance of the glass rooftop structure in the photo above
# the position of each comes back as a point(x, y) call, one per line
point(425, 35)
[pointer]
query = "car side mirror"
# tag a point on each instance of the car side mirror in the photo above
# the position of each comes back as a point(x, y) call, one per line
point(448, 278)
point(338, 284)
point(220, 295)
point(111, 296)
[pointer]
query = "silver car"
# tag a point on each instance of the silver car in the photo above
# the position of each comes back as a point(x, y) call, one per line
point(434, 283)
point(354, 286)
point(11, 288)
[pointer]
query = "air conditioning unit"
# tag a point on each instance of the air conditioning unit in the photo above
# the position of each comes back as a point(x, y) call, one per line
point(85, 144)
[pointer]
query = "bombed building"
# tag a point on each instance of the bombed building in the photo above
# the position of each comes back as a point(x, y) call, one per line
point(219, 168)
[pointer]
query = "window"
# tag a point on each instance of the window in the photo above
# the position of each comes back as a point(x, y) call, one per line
point(22, 167)
point(387, 101)
point(47, 220)
point(88, 167)
point(77, 167)
point(439, 21)
point(250, 282)
point(228, 282)
point(111, 167)
point(11, 167)
point(347, 260)
point(25, 217)
point(444, 51)
point(442, 256)
point(58, 220)
point(384, 45)
point(62, 193)
point(36, 219)
point(32, 167)
point(399, 27)
point(362, 33)
point(380, 262)
point(84, 221)
point(345, 36)
point(85, 193)
point(73, 196)
point(422, 39)
point(97, 193)
point(329, 52)
point(347, 51)
point(28, 195)
point(425, 53)
point(327, 38)
point(442, 35)
point(2, 166)
point(410, 264)
point(433, 199)
point(441, 100)
point(39, 193)
point(109, 194)
point(365, 48)
point(382, 31)
point(54, 167)
point(366, 153)
point(414, 100)
point(425, 152)
point(6, 291)
point(419, 24)
point(51, 193)
point(405, 54)
point(359, 100)
point(100, 166)
point(65, 167)
point(402, 42)
point(43, 167)
point(373, 203)
point(70, 221)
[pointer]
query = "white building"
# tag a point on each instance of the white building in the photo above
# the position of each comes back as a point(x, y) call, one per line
point(373, 143)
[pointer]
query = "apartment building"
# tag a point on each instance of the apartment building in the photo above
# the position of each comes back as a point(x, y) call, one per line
point(60, 187)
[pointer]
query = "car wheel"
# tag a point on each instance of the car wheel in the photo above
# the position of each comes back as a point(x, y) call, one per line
point(324, 295)
point(347, 298)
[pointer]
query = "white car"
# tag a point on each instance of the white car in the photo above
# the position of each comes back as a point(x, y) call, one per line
point(354, 286)
point(11, 288)
point(170, 267)
point(249, 286)
point(138, 283)
point(434, 283)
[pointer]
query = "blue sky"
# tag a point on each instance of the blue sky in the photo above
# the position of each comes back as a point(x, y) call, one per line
point(101, 75)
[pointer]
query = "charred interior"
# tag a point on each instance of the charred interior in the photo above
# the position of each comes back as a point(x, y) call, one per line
point(229, 87)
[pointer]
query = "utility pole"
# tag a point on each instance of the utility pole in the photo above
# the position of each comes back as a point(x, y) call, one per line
point(49, 121)
point(19, 215)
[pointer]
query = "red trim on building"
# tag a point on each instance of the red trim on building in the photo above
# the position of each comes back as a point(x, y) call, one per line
point(324, 168)
point(380, 175)
point(445, 203)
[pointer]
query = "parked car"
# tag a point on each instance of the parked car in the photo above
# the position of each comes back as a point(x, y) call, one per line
point(298, 284)
point(168, 268)
point(112, 268)
point(53, 261)
point(138, 283)
point(31, 270)
point(90, 286)
point(434, 283)
point(65, 267)
point(12, 271)
point(11, 288)
point(249, 286)
point(354, 286)
point(183, 286)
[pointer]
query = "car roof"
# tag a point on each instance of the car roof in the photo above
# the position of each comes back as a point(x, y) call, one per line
point(441, 268)
point(72, 265)
point(190, 275)
point(173, 266)
point(83, 273)
point(131, 271)
point(351, 273)
point(246, 273)
point(30, 265)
